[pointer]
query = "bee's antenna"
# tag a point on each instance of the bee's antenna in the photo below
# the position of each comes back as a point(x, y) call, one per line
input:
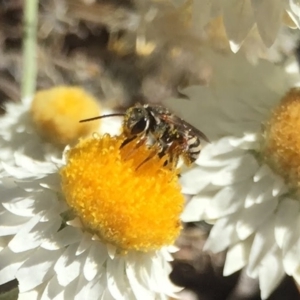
point(101, 117)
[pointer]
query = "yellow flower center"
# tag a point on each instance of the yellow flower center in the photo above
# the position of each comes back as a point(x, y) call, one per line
point(123, 193)
point(281, 147)
point(56, 113)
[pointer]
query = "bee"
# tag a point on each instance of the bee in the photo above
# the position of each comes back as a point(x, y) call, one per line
point(171, 135)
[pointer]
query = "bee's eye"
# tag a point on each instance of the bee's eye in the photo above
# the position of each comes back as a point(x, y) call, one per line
point(139, 126)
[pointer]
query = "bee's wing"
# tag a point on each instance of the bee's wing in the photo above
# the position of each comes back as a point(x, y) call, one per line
point(184, 126)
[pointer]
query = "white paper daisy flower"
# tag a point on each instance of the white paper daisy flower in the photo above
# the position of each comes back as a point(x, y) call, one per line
point(41, 126)
point(242, 16)
point(246, 180)
point(98, 225)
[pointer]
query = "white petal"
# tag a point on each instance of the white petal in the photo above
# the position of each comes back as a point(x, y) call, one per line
point(296, 275)
point(97, 255)
point(235, 47)
point(37, 269)
point(295, 18)
point(276, 183)
point(194, 180)
point(159, 270)
point(291, 237)
point(291, 248)
point(11, 224)
point(268, 27)
point(263, 171)
point(85, 243)
point(9, 264)
point(145, 273)
point(76, 222)
point(33, 166)
point(140, 291)
point(51, 181)
point(62, 238)
point(68, 266)
point(251, 218)
point(228, 200)
point(52, 290)
point(168, 250)
point(286, 218)
point(279, 187)
point(291, 261)
point(4, 242)
point(95, 237)
point(263, 243)
point(89, 289)
point(15, 171)
point(20, 206)
point(221, 146)
point(13, 194)
point(237, 257)
point(195, 209)
point(35, 293)
point(295, 7)
point(222, 235)
point(70, 272)
point(111, 250)
point(7, 183)
point(238, 19)
point(292, 67)
point(93, 289)
point(31, 237)
point(236, 171)
point(243, 143)
point(212, 156)
point(72, 291)
point(28, 226)
point(115, 278)
point(56, 209)
point(29, 186)
point(270, 274)
point(257, 193)
point(106, 294)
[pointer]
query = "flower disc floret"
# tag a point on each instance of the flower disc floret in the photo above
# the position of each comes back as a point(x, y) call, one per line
point(127, 200)
point(282, 140)
point(56, 113)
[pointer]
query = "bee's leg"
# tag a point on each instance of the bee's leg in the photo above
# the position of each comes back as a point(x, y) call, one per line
point(140, 141)
point(187, 159)
point(148, 158)
point(166, 150)
point(163, 151)
point(157, 151)
point(173, 151)
point(128, 141)
point(173, 160)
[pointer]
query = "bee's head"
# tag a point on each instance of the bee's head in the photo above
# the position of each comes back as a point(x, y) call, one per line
point(136, 120)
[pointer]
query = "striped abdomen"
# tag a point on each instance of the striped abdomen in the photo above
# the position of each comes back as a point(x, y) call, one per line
point(194, 147)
